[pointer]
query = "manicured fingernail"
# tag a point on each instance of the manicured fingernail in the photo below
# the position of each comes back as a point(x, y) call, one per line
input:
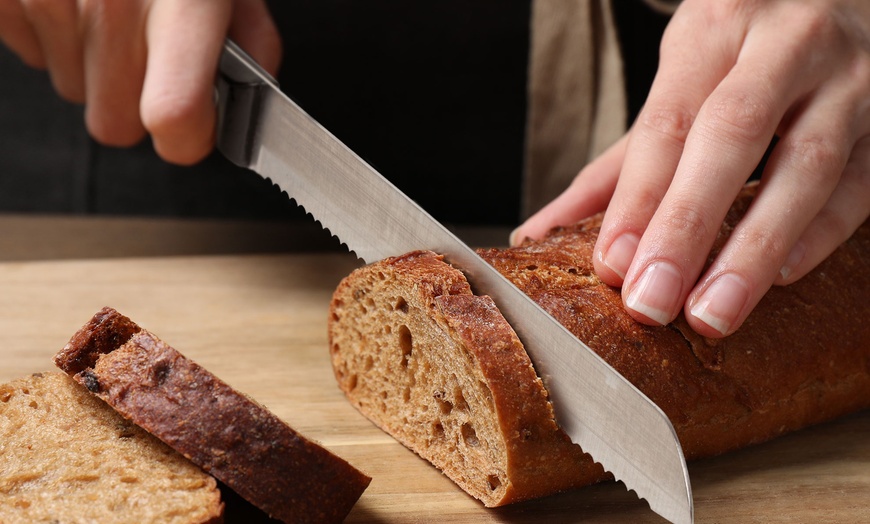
point(620, 253)
point(721, 303)
point(793, 259)
point(657, 293)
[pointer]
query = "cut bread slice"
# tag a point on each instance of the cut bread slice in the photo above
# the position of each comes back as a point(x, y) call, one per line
point(229, 435)
point(442, 371)
point(66, 456)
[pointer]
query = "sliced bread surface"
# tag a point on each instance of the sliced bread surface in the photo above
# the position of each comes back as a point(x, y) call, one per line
point(66, 456)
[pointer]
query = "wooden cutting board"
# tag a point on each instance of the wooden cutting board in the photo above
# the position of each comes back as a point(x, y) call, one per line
point(259, 323)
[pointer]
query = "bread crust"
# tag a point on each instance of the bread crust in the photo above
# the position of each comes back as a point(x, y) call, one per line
point(226, 433)
point(802, 357)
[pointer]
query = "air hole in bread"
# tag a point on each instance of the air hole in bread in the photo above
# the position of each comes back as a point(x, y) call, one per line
point(405, 343)
point(531, 267)
point(5, 395)
point(162, 369)
point(494, 482)
point(444, 405)
point(406, 394)
point(33, 404)
point(438, 430)
point(369, 364)
point(401, 305)
point(469, 435)
point(351, 382)
point(459, 399)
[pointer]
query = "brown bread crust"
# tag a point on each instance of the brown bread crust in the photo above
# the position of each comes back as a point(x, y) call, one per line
point(802, 357)
point(226, 433)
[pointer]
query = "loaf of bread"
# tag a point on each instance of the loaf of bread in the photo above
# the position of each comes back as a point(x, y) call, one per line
point(238, 441)
point(439, 368)
point(66, 456)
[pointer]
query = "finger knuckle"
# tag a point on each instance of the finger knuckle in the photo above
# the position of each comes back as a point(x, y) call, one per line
point(671, 121)
point(689, 220)
point(819, 157)
point(811, 23)
point(740, 116)
point(764, 242)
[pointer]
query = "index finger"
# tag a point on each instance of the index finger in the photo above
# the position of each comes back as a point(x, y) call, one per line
point(185, 38)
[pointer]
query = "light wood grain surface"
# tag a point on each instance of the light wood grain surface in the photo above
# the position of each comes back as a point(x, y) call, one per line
point(259, 323)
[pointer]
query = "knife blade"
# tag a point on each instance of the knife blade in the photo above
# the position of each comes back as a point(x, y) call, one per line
point(261, 129)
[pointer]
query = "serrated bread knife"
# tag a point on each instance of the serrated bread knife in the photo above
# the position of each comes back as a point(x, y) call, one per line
point(262, 129)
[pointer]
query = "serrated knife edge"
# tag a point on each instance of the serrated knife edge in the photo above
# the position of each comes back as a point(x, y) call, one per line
point(262, 129)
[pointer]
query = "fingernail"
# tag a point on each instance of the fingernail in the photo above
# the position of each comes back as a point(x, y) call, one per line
point(657, 293)
point(620, 253)
point(721, 303)
point(793, 259)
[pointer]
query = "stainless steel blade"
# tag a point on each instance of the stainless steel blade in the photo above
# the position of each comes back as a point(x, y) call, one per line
point(260, 128)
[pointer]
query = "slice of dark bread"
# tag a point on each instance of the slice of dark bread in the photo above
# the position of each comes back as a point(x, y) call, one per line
point(226, 433)
point(66, 456)
point(439, 368)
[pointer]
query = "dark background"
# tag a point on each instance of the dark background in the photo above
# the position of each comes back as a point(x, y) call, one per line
point(432, 94)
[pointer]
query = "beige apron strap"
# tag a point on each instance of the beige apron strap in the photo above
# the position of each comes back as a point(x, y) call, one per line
point(576, 96)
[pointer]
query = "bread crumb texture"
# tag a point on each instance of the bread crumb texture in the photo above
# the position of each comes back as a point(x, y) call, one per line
point(67, 457)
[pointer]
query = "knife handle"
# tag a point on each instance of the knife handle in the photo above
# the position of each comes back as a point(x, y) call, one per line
point(239, 87)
